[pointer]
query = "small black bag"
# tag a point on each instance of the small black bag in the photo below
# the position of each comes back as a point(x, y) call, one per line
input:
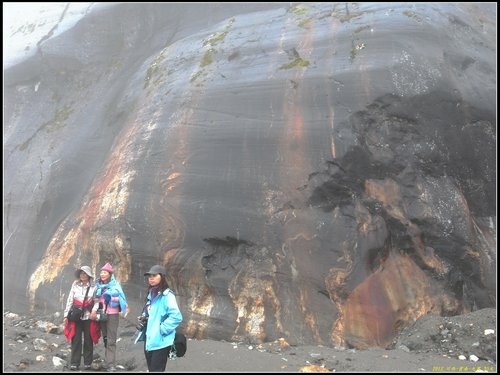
point(75, 314)
point(102, 316)
point(180, 344)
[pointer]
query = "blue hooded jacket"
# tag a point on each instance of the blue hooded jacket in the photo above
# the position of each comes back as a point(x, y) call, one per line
point(112, 289)
point(164, 318)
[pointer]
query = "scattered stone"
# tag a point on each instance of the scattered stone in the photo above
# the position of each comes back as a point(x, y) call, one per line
point(473, 358)
point(58, 362)
point(314, 368)
point(452, 336)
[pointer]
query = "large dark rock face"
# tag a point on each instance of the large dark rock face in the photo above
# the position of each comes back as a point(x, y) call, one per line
point(321, 172)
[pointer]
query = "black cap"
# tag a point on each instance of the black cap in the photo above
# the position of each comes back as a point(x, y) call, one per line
point(156, 269)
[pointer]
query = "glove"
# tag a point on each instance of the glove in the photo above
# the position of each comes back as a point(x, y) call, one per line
point(107, 298)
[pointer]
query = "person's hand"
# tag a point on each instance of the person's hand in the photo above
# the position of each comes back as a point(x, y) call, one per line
point(65, 321)
point(93, 315)
point(127, 311)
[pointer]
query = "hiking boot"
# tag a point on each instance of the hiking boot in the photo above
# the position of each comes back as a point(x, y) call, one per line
point(87, 367)
point(111, 369)
point(73, 367)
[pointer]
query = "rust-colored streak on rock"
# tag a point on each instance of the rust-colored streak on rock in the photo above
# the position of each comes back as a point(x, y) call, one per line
point(200, 311)
point(293, 139)
point(310, 320)
point(254, 300)
point(258, 300)
point(190, 285)
point(254, 316)
point(106, 200)
point(294, 166)
point(59, 253)
point(388, 193)
point(398, 291)
point(334, 25)
point(92, 207)
point(297, 256)
point(187, 279)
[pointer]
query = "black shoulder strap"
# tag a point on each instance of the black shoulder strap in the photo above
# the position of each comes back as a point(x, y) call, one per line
point(86, 294)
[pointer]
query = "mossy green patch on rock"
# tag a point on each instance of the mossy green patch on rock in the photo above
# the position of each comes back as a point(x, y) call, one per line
point(153, 67)
point(54, 124)
point(195, 76)
point(25, 144)
point(25, 29)
point(348, 14)
point(355, 49)
point(215, 38)
point(210, 43)
point(208, 57)
point(298, 62)
point(305, 22)
point(360, 28)
point(299, 9)
point(413, 15)
point(58, 121)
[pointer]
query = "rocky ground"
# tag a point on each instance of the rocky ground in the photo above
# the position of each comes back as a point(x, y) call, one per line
point(465, 343)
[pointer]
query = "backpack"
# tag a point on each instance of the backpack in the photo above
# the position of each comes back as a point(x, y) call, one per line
point(180, 345)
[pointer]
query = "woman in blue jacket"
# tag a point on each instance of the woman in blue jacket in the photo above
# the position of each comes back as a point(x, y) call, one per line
point(163, 316)
point(110, 297)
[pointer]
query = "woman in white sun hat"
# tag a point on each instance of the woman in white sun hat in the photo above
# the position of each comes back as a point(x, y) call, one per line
point(81, 296)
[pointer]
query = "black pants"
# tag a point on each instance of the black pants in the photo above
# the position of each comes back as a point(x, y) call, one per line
point(157, 359)
point(83, 326)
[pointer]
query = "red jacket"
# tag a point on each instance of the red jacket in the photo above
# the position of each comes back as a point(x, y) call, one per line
point(95, 331)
